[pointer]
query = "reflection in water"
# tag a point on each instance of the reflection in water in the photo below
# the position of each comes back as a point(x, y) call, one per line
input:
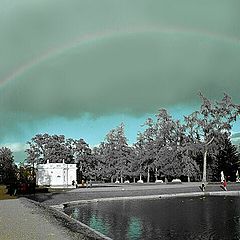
point(75, 213)
point(179, 218)
point(134, 228)
point(98, 224)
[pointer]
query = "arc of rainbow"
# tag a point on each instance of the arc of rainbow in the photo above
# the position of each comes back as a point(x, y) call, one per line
point(89, 37)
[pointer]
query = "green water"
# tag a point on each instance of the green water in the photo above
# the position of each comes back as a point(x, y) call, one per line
point(179, 218)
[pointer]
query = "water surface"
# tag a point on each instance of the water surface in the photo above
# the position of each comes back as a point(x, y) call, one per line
point(177, 218)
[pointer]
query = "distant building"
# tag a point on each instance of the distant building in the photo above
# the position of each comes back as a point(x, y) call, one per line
point(56, 174)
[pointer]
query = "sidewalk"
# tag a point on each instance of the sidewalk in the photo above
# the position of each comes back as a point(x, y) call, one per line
point(21, 222)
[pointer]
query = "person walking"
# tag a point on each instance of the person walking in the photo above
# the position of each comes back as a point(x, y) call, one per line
point(225, 184)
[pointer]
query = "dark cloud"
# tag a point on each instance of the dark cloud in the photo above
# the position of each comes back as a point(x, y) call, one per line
point(136, 73)
point(164, 57)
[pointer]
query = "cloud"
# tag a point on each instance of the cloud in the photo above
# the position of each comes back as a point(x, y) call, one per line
point(15, 147)
point(235, 138)
point(135, 74)
point(18, 150)
point(129, 61)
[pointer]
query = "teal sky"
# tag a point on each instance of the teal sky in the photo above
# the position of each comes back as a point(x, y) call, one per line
point(80, 68)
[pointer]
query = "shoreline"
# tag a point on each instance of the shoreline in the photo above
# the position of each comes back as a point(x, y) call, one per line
point(146, 197)
point(103, 191)
point(77, 228)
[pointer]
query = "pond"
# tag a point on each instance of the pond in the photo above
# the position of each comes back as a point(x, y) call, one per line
point(176, 218)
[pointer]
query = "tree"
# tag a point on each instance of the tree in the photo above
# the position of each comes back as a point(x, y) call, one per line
point(123, 153)
point(7, 167)
point(44, 147)
point(99, 164)
point(210, 124)
point(56, 149)
point(36, 153)
point(137, 163)
point(163, 147)
point(169, 134)
point(116, 154)
point(134, 164)
point(83, 158)
point(227, 160)
point(147, 147)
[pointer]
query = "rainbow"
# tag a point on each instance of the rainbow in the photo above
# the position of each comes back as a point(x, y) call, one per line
point(110, 33)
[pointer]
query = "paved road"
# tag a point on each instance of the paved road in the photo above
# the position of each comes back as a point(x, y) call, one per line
point(21, 222)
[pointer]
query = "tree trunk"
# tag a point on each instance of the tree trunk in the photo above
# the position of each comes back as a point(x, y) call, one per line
point(165, 179)
point(156, 174)
point(148, 175)
point(204, 178)
point(121, 178)
point(111, 179)
point(134, 179)
point(33, 173)
point(188, 177)
point(140, 177)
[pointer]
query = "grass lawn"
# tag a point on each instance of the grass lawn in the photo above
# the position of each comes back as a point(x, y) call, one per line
point(3, 193)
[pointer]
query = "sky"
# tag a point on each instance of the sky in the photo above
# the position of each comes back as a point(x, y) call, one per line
point(80, 68)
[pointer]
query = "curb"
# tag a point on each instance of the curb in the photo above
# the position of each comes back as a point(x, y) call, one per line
point(68, 222)
point(102, 236)
point(163, 196)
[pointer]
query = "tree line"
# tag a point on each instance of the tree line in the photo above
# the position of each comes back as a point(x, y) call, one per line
point(198, 147)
